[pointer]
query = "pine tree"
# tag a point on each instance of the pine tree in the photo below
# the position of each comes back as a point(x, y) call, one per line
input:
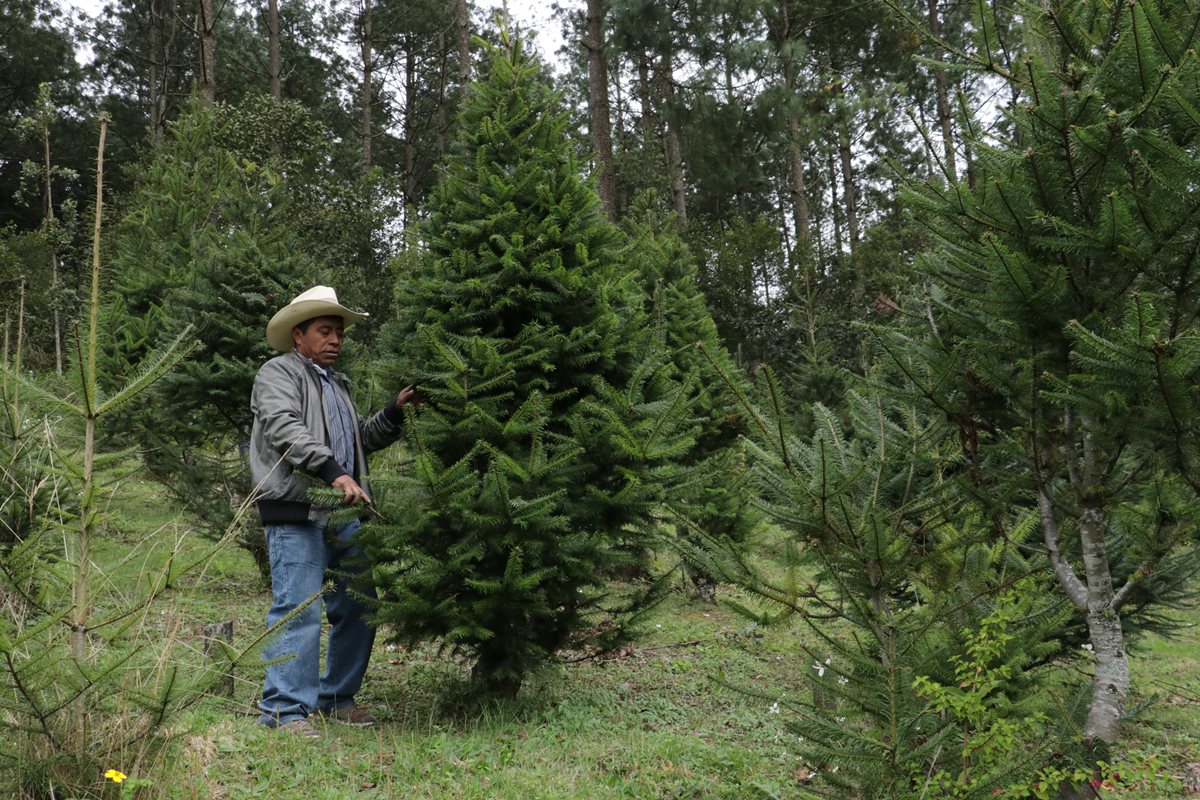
point(79, 680)
point(893, 569)
point(1061, 332)
point(545, 412)
point(25, 468)
point(709, 491)
point(206, 239)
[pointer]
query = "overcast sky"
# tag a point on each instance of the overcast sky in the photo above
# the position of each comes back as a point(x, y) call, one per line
point(536, 15)
point(532, 15)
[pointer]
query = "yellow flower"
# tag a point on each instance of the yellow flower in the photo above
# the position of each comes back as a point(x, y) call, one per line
point(115, 775)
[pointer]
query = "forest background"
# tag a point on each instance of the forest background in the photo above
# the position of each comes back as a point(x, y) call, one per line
point(875, 322)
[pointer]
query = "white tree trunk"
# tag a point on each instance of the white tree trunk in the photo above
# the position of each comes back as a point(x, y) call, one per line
point(1093, 594)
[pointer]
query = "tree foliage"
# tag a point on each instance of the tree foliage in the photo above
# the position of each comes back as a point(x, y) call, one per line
point(208, 240)
point(709, 490)
point(542, 407)
point(893, 569)
point(77, 680)
point(1061, 329)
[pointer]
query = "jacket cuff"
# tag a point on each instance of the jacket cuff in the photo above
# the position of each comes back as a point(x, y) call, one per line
point(393, 415)
point(329, 471)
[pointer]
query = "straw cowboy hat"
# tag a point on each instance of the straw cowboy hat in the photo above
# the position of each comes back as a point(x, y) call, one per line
point(319, 301)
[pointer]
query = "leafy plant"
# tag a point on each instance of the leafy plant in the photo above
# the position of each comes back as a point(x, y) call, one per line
point(995, 733)
point(710, 489)
point(206, 240)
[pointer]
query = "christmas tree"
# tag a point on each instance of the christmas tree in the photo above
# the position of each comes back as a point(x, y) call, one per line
point(546, 412)
point(709, 493)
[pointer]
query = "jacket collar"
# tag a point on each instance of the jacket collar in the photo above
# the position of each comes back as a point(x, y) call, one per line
point(312, 366)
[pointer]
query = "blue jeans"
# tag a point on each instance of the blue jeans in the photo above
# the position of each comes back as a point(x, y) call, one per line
point(300, 556)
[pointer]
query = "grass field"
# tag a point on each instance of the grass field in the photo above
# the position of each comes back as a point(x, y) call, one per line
point(655, 720)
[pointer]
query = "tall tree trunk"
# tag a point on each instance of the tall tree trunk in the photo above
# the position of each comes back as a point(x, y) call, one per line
point(156, 94)
point(796, 144)
point(442, 124)
point(675, 170)
point(671, 148)
point(152, 89)
point(410, 121)
point(945, 118)
point(781, 194)
point(364, 25)
point(58, 351)
point(849, 195)
point(799, 190)
point(274, 67)
point(169, 24)
point(464, 46)
point(598, 107)
point(649, 123)
point(620, 105)
point(835, 207)
point(206, 24)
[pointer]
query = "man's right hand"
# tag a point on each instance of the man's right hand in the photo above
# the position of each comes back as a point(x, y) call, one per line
point(352, 493)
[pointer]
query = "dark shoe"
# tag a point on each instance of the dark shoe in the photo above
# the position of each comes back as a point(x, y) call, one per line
point(299, 727)
point(350, 715)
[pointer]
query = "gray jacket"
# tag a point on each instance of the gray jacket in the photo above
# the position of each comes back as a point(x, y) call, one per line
point(290, 438)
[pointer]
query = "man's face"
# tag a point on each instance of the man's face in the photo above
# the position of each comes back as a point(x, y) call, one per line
point(322, 341)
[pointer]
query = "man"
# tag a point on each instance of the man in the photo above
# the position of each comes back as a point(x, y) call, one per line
point(305, 428)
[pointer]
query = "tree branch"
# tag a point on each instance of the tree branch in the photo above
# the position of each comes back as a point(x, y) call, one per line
point(1075, 590)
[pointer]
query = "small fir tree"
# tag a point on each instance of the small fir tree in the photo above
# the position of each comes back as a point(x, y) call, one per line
point(25, 466)
point(1061, 330)
point(708, 491)
point(80, 679)
point(899, 568)
point(545, 412)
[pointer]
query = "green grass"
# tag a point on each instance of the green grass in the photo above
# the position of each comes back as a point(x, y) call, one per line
point(1166, 698)
point(656, 720)
point(650, 722)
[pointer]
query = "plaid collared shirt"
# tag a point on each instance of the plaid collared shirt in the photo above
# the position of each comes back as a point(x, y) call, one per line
point(340, 423)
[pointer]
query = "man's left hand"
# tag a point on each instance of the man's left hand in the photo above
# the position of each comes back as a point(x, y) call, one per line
point(409, 394)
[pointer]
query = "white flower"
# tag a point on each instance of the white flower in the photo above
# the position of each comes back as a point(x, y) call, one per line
point(1087, 647)
point(773, 708)
point(391, 648)
point(659, 625)
point(843, 680)
point(820, 668)
point(839, 719)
